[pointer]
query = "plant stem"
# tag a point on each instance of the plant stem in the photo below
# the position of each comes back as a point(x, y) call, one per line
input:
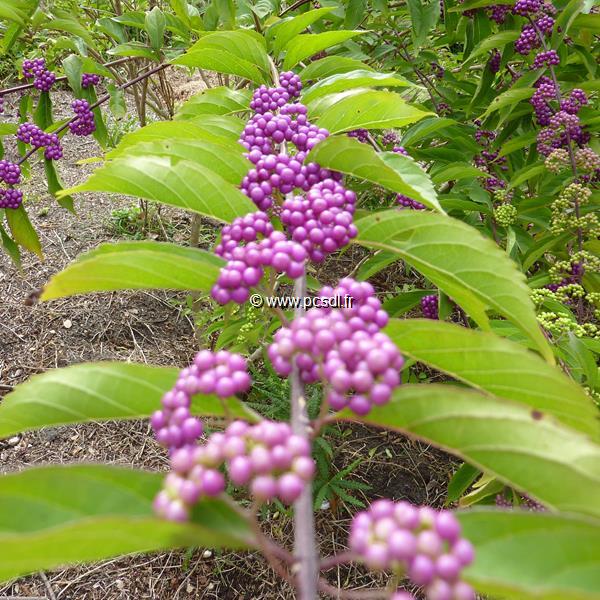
point(305, 549)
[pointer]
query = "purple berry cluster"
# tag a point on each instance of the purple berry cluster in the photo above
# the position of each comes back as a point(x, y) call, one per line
point(498, 12)
point(246, 267)
point(430, 306)
point(389, 138)
point(84, 124)
point(549, 58)
point(527, 7)
point(10, 198)
point(28, 133)
point(406, 202)
point(321, 221)
point(282, 173)
point(267, 99)
point(291, 83)
point(544, 93)
point(43, 79)
point(89, 80)
point(495, 61)
point(423, 542)
point(223, 374)
point(362, 135)
point(344, 347)
point(243, 229)
point(267, 457)
point(489, 160)
point(10, 173)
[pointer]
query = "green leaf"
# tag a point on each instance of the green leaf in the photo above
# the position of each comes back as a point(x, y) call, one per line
point(498, 366)
point(170, 181)
point(52, 516)
point(403, 302)
point(425, 128)
point(172, 130)
point(22, 230)
point(235, 52)
point(461, 481)
point(227, 161)
point(10, 12)
point(221, 62)
point(521, 141)
point(424, 16)
point(215, 101)
point(55, 185)
point(8, 129)
point(71, 26)
point(468, 267)
point(552, 463)
point(368, 109)
point(355, 13)
point(136, 265)
point(99, 392)
point(456, 172)
point(10, 247)
point(525, 174)
point(496, 41)
point(116, 102)
point(155, 23)
point(393, 171)
point(73, 69)
point(510, 97)
point(353, 79)
point(280, 33)
point(309, 44)
point(331, 65)
point(526, 555)
point(136, 49)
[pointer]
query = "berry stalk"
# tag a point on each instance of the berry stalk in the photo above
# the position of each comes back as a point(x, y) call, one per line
point(304, 522)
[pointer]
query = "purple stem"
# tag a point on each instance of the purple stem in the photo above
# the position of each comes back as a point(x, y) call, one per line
point(305, 549)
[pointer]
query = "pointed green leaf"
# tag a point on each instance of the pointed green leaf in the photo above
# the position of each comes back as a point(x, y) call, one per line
point(136, 265)
point(236, 52)
point(173, 130)
point(393, 171)
point(522, 555)
point(54, 516)
point(99, 392)
point(221, 61)
point(552, 463)
point(22, 230)
point(496, 365)
point(280, 33)
point(368, 109)
point(468, 267)
point(170, 181)
point(215, 101)
point(155, 23)
point(224, 160)
point(353, 79)
point(331, 65)
point(309, 44)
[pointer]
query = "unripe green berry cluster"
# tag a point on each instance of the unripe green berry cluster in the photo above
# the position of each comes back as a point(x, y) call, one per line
point(505, 214)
